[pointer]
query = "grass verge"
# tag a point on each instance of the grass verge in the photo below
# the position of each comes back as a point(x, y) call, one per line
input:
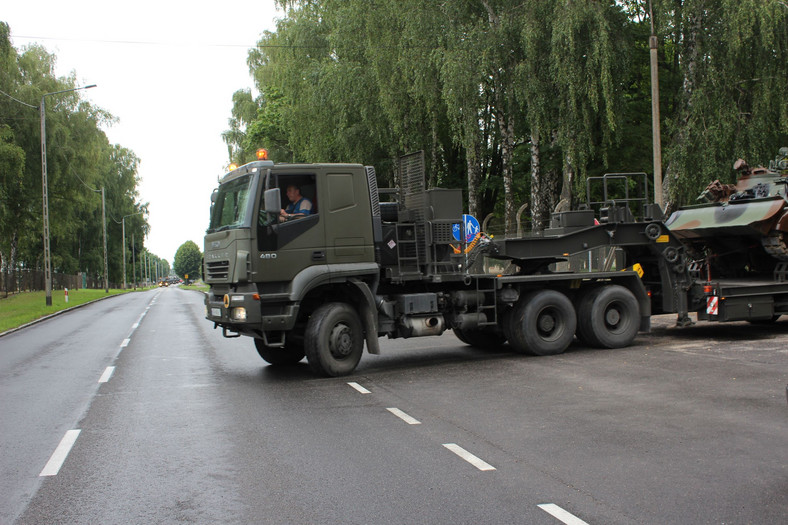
point(202, 287)
point(22, 308)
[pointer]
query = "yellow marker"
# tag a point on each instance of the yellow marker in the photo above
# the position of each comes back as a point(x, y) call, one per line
point(663, 239)
point(638, 269)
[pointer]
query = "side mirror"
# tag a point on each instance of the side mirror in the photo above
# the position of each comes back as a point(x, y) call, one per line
point(273, 200)
point(214, 195)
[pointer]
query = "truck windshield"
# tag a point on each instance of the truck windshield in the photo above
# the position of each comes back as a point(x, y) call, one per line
point(232, 207)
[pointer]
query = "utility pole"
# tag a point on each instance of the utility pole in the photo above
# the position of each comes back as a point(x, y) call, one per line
point(104, 225)
point(655, 126)
point(45, 199)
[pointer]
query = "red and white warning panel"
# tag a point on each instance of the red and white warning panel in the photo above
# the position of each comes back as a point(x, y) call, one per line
point(712, 304)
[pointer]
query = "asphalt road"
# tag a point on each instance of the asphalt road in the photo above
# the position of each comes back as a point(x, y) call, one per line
point(686, 426)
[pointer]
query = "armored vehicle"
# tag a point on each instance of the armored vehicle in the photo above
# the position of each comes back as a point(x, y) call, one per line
point(741, 227)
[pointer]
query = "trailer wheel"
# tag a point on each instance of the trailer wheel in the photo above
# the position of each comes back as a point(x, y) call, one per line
point(334, 340)
point(289, 355)
point(542, 323)
point(608, 317)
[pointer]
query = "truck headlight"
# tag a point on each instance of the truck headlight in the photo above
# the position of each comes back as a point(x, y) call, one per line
point(238, 313)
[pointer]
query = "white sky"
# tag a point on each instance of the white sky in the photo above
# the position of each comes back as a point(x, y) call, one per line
point(167, 70)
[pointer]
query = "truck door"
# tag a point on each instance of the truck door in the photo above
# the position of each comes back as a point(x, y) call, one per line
point(293, 239)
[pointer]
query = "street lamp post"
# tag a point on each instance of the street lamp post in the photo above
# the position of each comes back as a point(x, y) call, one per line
point(104, 230)
point(123, 228)
point(47, 255)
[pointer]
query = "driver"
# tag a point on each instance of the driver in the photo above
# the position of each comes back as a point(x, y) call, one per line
point(299, 205)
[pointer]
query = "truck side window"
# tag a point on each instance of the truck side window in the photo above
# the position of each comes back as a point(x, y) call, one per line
point(298, 198)
point(298, 212)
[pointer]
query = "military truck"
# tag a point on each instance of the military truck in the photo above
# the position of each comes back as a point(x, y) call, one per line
point(369, 262)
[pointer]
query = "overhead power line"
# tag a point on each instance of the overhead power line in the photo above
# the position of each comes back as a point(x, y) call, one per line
point(171, 44)
point(17, 100)
point(132, 42)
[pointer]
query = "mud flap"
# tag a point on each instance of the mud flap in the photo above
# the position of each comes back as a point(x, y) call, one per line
point(369, 316)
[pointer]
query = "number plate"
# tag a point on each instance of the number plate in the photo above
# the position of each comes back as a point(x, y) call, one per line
point(216, 312)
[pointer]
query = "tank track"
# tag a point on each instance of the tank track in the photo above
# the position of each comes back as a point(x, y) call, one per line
point(775, 245)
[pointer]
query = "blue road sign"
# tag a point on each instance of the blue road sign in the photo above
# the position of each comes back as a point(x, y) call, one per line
point(471, 228)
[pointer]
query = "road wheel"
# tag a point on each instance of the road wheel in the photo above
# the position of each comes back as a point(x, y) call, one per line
point(481, 339)
point(542, 323)
point(608, 317)
point(334, 340)
point(459, 334)
point(292, 353)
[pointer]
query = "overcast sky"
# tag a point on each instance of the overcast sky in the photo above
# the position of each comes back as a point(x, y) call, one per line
point(167, 70)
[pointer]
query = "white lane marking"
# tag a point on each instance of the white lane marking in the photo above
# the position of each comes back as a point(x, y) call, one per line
point(562, 515)
point(125, 343)
point(135, 326)
point(107, 374)
point(61, 452)
point(467, 456)
point(360, 388)
point(403, 416)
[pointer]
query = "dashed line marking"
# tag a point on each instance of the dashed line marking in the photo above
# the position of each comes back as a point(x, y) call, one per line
point(125, 343)
point(470, 458)
point(560, 514)
point(359, 388)
point(61, 453)
point(135, 326)
point(403, 416)
point(107, 374)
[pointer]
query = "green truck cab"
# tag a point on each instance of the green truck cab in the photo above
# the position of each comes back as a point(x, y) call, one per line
point(264, 268)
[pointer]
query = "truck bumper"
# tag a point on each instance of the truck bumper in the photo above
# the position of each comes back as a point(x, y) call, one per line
point(245, 312)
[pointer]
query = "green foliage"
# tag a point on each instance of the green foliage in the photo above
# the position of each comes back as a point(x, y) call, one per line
point(731, 101)
point(474, 83)
point(188, 261)
point(80, 161)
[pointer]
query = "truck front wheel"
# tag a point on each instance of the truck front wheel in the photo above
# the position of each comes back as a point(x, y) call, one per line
point(289, 355)
point(541, 323)
point(334, 340)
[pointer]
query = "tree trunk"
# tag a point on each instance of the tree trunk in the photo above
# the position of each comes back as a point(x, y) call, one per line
point(567, 184)
point(689, 57)
point(540, 199)
point(472, 159)
point(507, 149)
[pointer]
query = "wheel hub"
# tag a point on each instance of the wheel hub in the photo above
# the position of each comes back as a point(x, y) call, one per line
point(546, 323)
point(612, 317)
point(341, 342)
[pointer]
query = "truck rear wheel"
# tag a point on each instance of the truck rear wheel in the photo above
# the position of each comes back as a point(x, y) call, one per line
point(542, 323)
point(289, 355)
point(608, 317)
point(334, 340)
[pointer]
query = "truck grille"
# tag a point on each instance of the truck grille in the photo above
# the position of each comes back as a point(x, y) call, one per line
point(218, 269)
